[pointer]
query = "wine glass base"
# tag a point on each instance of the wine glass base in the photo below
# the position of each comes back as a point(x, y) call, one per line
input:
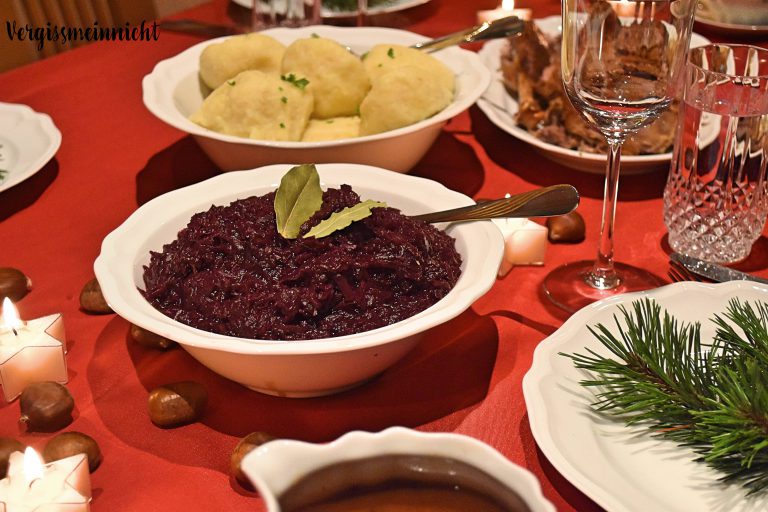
point(567, 288)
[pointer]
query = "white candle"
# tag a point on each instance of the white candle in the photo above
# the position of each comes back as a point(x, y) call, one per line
point(61, 486)
point(30, 351)
point(507, 8)
point(625, 8)
point(525, 243)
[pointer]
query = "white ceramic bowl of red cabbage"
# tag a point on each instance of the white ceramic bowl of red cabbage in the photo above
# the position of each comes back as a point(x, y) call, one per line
point(172, 93)
point(294, 368)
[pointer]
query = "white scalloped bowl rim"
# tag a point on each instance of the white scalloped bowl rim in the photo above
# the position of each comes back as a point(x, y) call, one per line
point(35, 138)
point(501, 107)
point(274, 466)
point(159, 86)
point(618, 484)
point(124, 251)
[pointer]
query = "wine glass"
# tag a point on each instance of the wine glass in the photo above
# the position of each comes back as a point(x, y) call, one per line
point(620, 62)
point(362, 10)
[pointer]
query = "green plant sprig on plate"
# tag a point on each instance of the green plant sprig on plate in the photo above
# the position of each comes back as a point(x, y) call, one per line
point(711, 397)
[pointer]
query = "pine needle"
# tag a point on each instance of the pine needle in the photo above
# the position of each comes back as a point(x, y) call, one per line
point(712, 397)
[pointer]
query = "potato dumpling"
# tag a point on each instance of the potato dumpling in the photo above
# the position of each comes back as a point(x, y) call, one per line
point(385, 57)
point(332, 129)
point(401, 97)
point(221, 61)
point(336, 77)
point(257, 105)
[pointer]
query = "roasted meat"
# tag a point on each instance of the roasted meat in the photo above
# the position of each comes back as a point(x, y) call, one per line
point(530, 66)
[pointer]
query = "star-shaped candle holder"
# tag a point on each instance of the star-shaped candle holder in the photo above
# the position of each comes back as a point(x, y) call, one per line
point(30, 352)
point(61, 486)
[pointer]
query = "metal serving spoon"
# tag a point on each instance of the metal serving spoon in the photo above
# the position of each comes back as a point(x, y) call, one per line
point(489, 30)
point(501, 27)
point(543, 202)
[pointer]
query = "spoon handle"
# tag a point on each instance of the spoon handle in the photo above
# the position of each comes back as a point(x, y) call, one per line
point(502, 27)
point(543, 202)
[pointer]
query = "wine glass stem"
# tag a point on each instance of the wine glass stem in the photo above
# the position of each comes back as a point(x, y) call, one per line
point(603, 276)
point(362, 8)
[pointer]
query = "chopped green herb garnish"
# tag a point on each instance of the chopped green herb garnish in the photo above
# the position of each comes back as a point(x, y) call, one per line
point(282, 125)
point(363, 56)
point(380, 64)
point(329, 121)
point(231, 82)
point(391, 53)
point(284, 99)
point(315, 36)
point(280, 89)
point(301, 83)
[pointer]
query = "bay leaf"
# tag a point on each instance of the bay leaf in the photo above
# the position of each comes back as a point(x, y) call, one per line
point(342, 219)
point(297, 198)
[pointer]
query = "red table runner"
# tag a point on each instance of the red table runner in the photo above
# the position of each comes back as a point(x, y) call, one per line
point(465, 378)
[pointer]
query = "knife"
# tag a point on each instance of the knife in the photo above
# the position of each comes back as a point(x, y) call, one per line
point(713, 271)
point(199, 28)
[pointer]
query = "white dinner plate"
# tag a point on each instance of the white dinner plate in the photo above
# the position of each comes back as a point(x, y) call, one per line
point(626, 469)
point(28, 140)
point(387, 7)
point(501, 108)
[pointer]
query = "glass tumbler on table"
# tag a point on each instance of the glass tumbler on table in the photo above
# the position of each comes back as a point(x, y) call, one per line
point(620, 62)
point(715, 200)
point(284, 13)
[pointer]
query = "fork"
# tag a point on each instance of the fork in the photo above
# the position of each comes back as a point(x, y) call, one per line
point(678, 273)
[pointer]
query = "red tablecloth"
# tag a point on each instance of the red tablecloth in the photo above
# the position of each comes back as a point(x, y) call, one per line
point(115, 155)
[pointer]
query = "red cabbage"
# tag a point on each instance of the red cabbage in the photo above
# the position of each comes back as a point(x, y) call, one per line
point(230, 272)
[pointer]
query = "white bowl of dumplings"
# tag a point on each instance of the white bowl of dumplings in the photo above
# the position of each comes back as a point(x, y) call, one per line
point(316, 94)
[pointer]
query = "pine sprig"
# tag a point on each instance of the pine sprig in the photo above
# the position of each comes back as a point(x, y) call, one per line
point(753, 338)
point(658, 371)
point(712, 397)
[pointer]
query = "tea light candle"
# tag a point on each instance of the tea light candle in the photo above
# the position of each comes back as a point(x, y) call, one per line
point(30, 351)
point(525, 243)
point(61, 486)
point(507, 8)
point(625, 8)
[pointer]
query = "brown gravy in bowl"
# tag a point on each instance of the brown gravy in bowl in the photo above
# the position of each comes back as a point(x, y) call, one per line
point(399, 483)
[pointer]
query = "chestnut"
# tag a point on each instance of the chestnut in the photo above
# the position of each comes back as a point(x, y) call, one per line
point(176, 404)
point(13, 284)
point(149, 339)
point(71, 443)
point(246, 444)
point(568, 228)
point(91, 299)
point(46, 406)
point(8, 445)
